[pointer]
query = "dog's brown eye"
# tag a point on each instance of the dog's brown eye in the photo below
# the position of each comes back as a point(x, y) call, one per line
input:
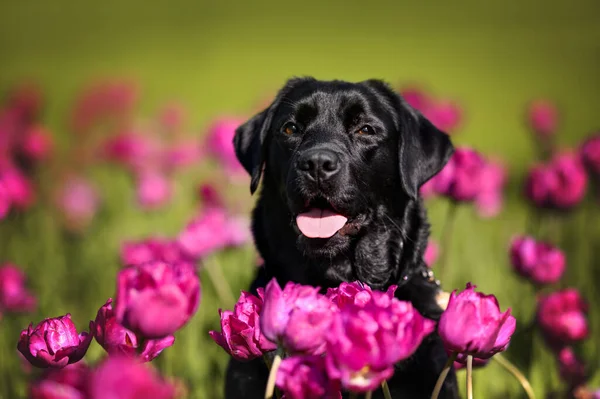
point(290, 128)
point(366, 129)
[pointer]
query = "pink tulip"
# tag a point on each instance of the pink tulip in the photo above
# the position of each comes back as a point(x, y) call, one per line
point(5, 201)
point(490, 198)
point(69, 382)
point(116, 339)
point(156, 299)
point(240, 334)
point(460, 179)
point(416, 98)
point(590, 154)
point(14, 296)
point(445, 115)
point(559, 184)
point(561, 316)
point(220, 143)
point(543, 118)
point(366, 340)
point(427, 190)
point(37, 143)
point(18, 187)
point(154, 190)
point(152, 249)
point(305, 377)
point(122, 377)
point(54, 343)
point(135, 150)
point(212, 231)
point(432, 253)
point(79, 200)
point(571, 369)
point(297, 316)
point(357, 293)
point(210, 196)
point(538, 261)
point(472, 324)
point(183, 154)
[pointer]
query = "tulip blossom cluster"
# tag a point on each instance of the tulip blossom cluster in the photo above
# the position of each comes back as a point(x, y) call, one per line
point(538, 261)
point(560, 184)
point(445, 114)
point(14, 296)
point(469, 177)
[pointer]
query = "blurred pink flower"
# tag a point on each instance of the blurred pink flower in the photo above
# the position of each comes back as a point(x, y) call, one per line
point(37, 143)
point(122, 377)
point(14, 296)
point(460, 179)
point(427, 190)
point(220, 143)
point(297, 316)
point(78, 200)
point(136, 150)
point(416, 98)
point(366, 341)
point(183, 154)
point(173, 116)
point(152, 249)
point(542, 117)
point(305, 377)
point(70, 382)
point(562, 318)
point(590, 154)
point(490, 198)
point(117, 340)
point(210, 196)
point(212, 231)
point(18, 187)
point(559, 184)
point(240, 334)
point(4, 201)
point(472, 324)
point(445, 115)
point(154, 190)
point(156, 299)
point(538, 261)
point(571, 369)
point(432, 252)
point(54, 342)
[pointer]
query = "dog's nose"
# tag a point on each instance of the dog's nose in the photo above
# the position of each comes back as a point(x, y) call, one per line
point(319, 164)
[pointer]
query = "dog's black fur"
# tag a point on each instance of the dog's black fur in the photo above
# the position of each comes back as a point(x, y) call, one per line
point(385, 150)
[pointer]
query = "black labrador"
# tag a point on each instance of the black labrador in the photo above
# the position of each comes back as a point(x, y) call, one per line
point(341, 165)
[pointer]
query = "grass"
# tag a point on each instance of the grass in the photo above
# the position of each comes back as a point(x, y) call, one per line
point(222, 58)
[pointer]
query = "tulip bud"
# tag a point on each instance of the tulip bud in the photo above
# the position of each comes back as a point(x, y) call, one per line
point(14, 296)
point(561, 316)
point(156, 299)
point(54, 343)
point(538, 261)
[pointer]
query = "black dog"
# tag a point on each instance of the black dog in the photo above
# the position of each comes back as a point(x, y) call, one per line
point(341, 165)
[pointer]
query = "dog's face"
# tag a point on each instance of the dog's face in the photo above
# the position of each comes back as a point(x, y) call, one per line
point(340, 155)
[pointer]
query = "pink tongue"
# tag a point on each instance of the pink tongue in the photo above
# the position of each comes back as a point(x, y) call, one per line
point(320, 223)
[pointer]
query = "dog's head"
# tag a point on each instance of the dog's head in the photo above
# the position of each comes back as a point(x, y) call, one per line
point(338, 154)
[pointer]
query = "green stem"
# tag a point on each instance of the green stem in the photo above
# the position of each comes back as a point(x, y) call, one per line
point(469, 377)
point(218, 280)
point(386, 390)
point(440, 382)
point(511, 368)
point(369, 395)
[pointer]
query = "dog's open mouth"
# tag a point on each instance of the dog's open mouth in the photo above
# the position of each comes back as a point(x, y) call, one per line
point(320, 220)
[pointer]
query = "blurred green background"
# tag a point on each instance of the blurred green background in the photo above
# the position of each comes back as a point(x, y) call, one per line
point(223, 57)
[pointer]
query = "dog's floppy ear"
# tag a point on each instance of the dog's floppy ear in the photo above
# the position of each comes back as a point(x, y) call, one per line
point(250, 140)
point(423, 150)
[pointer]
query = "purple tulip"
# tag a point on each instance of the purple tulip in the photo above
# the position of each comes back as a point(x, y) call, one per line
point(357, 293)
point(460, 179)
point(69, 382)
point(432, 253)
point(116, 339)
point(212, 231)
point(571, 369)
point(445, 115)
point(18, 187)
point(305, 377)
point(152, 249)
point(14, 297)
point(472, 324)
point(135, 150)
point(562, 318)
point(122, 377)
point(297, 316)
point(590, 154)
point(37, 143)
point(220, 139)
point(543, 118)
point(559, 184)
point(490, 198)
point(366, 340)
point(156, 299)
point(240, 334)
point(54, 343)
point(538, 261)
